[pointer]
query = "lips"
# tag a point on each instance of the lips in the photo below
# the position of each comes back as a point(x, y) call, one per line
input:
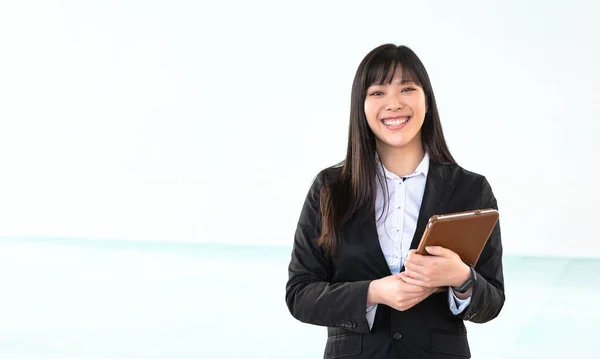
point(396, 123)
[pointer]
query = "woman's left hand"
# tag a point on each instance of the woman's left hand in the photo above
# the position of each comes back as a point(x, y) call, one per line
point(442, 268)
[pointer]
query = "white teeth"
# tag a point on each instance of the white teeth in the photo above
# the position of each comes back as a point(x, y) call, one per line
point(395, 122)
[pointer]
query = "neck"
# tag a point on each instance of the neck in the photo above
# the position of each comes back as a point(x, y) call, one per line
point(401, 161)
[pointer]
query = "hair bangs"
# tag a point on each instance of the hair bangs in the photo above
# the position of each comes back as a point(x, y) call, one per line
point(384, 65)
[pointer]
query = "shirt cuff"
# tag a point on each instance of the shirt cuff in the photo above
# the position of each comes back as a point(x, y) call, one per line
point(457, 305)
point(371, 310)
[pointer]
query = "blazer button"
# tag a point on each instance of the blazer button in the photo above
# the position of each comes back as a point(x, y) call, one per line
point(397, 336)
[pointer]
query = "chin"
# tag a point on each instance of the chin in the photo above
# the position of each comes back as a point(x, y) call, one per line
point(396, 142)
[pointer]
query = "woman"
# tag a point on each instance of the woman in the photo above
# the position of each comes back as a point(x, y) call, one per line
point(353, 267)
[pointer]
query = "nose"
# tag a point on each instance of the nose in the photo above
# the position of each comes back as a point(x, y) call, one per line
point(394, 103)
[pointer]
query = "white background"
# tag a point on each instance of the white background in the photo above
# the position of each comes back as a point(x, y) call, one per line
point(207, 121)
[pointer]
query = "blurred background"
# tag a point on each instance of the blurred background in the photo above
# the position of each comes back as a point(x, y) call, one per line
point(154, 157)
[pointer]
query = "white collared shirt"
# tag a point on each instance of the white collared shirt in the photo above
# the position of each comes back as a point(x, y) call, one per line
point(398, 224)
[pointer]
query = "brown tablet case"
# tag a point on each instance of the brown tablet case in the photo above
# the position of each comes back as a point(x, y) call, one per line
point(464, 233)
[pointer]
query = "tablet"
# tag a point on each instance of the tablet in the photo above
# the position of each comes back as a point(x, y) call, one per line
point(464, 233)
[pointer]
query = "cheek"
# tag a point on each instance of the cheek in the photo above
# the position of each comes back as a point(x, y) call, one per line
point(373, 107)
point(423, 104)
point(370, 113)
point(419, 107)
point(367, 108)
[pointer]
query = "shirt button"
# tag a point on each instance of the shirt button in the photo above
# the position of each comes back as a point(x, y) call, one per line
point(397, 336)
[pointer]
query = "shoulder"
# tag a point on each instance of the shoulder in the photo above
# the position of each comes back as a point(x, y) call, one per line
point(456, 173)
point(322, 178)
point(464, 175)
point(467, 181)
point(326, 176)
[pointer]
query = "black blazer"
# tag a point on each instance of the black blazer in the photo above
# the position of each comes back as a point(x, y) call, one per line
point(333, 292)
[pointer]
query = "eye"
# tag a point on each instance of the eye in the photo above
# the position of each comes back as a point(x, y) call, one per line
point(408, 89)
point(376, 93)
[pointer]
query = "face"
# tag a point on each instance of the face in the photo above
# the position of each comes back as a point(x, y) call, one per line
point(395, 112)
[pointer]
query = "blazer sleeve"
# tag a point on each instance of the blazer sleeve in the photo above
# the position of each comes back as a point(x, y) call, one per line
point(311, 296)
point(488, 297)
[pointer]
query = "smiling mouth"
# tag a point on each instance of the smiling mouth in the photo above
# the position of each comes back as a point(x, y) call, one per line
point(396, 122)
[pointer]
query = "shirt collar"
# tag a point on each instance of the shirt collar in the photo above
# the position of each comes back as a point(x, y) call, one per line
point(422, 168)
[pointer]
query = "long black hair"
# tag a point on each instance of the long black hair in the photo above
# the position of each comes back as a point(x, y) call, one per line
point(356, 186)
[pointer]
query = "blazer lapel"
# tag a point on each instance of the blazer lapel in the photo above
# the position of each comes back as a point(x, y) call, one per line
point(368, 233)
point(438, 189)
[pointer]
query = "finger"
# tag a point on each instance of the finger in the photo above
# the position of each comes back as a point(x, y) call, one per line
point(410, 284)
point(416, 270)
point(423, 260)
point(418, 277)
point(409, 273)
point(414, 257)
point(417, 283)
point(431, 262)
point(413, 282)
point(439, 251)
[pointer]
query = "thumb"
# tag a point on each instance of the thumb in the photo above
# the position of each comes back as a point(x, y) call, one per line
point(438, 251)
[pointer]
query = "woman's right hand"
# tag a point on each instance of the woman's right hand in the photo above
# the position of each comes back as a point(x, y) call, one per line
point(394, 292)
